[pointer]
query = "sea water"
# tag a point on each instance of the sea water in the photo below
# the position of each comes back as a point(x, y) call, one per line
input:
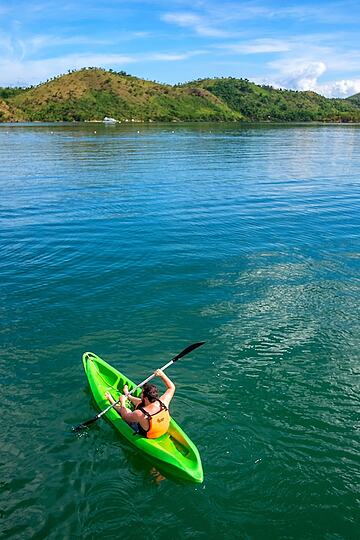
point(135, 241)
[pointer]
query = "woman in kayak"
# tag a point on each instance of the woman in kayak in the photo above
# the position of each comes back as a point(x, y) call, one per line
point(151, 416)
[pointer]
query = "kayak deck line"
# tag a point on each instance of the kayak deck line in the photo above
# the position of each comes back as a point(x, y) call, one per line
point(174, 451)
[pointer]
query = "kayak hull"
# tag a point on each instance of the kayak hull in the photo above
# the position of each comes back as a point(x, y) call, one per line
point(174, 452)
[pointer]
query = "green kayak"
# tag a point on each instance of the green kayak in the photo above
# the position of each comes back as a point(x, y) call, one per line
point(174, 452)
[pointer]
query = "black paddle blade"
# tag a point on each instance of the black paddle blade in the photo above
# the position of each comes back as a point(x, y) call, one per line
point(188, 350)
point(84, 425)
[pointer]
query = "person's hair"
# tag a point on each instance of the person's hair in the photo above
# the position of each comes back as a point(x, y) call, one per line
point(151, 392)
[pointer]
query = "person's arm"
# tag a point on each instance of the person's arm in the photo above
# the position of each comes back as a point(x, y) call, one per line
point(110, 398)
point(168, 395)
point(133, 399)
point(124, 412)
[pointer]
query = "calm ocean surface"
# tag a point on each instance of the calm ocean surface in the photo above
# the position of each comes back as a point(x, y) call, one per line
point(134, 245)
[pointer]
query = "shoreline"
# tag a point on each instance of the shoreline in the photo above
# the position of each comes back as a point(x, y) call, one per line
point(177, 122)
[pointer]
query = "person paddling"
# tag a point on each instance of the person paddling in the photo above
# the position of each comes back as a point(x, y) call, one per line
point(151, 417)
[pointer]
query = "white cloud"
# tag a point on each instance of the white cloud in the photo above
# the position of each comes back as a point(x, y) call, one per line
point(169, 57)
point(300, 74)
point(329, 13)
point(31, 45)
point(6, 45)
point(26, 72)
point(342, 88)
point(22, 72)
point(304, 74)
point(198, 24)
point(257, 46)
point(182, 19)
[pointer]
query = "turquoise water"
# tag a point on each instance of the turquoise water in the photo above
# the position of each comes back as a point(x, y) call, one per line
point(134, 245)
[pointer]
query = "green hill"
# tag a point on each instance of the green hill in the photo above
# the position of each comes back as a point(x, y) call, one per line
point(263, 103)
point(354, 100)
point(93, 93)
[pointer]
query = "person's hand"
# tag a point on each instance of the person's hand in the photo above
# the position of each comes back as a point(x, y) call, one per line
point(158, 373)
point(123, 401)
point(125, 389)
point(108, 395)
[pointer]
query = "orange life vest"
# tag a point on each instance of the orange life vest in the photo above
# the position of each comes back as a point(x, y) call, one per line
point(158, 422)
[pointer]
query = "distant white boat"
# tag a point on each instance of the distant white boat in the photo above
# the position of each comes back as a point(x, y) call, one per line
point(108, 120)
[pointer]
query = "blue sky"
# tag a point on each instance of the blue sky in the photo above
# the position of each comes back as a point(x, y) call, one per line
point(308, 45)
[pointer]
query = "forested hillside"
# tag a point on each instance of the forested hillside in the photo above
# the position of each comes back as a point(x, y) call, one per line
point(90, 94)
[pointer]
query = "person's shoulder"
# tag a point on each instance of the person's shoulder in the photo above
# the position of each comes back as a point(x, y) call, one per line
point(166, 399)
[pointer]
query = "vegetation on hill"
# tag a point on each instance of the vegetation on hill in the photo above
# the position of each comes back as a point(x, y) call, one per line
point(354, 100)
point(264, 103)
point(93, 93)
point(9, 114)
point(10, 91)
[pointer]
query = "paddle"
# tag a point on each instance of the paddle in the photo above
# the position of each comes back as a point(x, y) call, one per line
point(177, 357)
